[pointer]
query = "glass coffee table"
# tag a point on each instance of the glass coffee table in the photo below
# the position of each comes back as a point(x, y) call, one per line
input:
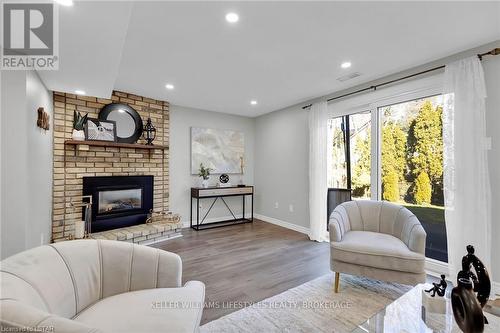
point(405, 315)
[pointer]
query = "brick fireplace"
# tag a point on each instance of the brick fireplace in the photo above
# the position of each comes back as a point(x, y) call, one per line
point(74, 162)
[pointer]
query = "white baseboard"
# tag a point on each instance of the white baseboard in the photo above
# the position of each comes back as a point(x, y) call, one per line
point(288, 225)
point(283, 224)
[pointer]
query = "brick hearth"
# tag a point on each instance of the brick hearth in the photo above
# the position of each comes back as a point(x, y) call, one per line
point(143, 234)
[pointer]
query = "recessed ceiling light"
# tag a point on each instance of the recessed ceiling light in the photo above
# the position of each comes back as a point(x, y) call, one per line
point(79, 92)
point(346, 64)
point(65, 2)
point(169, 86)
point(232, 17)
point(254, 102)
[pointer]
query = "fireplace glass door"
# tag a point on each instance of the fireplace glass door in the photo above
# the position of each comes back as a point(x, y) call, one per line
point(112, 201)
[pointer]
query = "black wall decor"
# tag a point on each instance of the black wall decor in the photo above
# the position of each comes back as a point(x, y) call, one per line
point(128, 121)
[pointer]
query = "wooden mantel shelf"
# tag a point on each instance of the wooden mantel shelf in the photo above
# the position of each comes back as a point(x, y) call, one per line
point(114, 144)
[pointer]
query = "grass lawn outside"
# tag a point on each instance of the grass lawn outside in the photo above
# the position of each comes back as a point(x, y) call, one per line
point(432, 219)
point(427, 213)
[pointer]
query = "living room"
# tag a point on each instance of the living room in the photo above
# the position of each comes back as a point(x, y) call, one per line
point(250, 166)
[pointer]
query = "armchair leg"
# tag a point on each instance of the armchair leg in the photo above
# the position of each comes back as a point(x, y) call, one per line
point(337, 282)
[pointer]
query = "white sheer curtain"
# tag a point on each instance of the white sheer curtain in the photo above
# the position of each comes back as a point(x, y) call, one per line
point(466, 179)
point(318, 131)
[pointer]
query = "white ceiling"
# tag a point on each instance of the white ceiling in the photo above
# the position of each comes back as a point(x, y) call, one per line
point(91, 39)
point(279, 53)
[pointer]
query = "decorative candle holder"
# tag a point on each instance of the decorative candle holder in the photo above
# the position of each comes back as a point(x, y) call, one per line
point(149, 132)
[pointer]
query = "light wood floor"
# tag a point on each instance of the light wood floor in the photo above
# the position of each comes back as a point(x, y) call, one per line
point(248, 262)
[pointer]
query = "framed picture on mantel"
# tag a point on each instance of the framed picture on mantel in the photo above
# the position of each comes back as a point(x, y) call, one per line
point(100, 130)
point(220, 150)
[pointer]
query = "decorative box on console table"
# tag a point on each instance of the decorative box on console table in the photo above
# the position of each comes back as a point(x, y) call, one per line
point(219, 193)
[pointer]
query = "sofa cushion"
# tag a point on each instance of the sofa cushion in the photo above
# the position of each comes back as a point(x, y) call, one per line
point(150, 310)
point(377, 250)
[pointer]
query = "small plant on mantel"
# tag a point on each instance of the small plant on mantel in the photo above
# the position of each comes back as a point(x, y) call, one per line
point(205, 174)
point(78, 124)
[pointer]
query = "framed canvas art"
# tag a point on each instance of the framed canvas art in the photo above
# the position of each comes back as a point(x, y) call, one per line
point(220, 150)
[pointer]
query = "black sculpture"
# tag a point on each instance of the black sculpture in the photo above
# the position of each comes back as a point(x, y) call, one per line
point(467, 307)
point(481, 280)
point(438, 288)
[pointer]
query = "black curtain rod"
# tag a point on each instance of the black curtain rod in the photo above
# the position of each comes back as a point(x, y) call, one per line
point(374, 87)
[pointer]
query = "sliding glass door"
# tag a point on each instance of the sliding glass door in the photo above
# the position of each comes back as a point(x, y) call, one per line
point(411, 165)
point(404, 165)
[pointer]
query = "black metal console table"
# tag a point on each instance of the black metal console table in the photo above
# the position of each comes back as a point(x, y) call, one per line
point(219, 193)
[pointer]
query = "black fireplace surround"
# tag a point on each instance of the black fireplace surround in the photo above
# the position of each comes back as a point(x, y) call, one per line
point(119, 201)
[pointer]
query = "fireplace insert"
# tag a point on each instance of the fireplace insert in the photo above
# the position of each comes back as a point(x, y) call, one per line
point(119, 201)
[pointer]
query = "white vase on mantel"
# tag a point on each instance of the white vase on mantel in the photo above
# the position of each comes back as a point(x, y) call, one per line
point(204, 183)
point(78, 135)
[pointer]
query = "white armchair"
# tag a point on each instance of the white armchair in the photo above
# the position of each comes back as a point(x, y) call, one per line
point(377, 239)
point(98, 286)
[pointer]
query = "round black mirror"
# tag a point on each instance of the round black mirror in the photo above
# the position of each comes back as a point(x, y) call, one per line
point(128, 121)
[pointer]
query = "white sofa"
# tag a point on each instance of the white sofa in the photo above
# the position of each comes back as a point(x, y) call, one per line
point(377, 239)
point(98, 286)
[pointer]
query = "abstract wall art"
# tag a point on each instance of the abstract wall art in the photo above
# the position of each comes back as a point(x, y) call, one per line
point(219, 150)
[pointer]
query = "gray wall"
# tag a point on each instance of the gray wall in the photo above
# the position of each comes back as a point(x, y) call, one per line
point(282, 165)
point(26, 161)
point(14, 140)
point(181, 180)
point(39, 163)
